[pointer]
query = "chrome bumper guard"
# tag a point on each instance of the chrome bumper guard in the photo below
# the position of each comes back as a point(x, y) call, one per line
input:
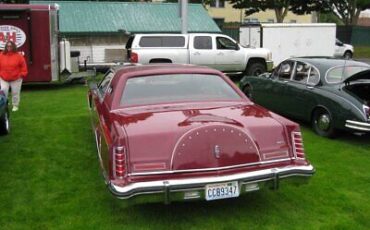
point(171, 190)
point(359, 126)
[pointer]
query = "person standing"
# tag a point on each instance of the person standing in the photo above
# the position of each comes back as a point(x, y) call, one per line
point(13, 69)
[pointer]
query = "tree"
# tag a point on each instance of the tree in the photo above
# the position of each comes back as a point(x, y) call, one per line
point(281, 7)
point(348, 11)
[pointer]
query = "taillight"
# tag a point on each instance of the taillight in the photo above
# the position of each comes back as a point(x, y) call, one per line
point(366, 111)
point(119, 162)
point(298, 145)
point(134, 57)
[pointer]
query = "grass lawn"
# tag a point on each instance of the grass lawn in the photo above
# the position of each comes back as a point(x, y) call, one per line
point(362, 52)
point(50, 179)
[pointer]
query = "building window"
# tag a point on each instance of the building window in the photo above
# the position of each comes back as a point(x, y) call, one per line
point(218, 3)
point(251, 20)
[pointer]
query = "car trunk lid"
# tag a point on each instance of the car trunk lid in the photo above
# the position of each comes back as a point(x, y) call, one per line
point(202, 139)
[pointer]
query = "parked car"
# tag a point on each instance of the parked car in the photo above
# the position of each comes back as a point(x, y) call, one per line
point(207, 49)
point(332, 94)
point(182, 132)
point(343, 50)
point(4, 114)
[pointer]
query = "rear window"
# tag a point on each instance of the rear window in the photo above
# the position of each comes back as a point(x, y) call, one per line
point(341, 73)
point(162, 41)
point(175, 88)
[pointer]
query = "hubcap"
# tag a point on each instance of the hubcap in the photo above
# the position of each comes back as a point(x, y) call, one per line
point(323, 122)
point(6, 122)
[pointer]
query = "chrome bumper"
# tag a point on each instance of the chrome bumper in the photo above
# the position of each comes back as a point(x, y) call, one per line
point(358, 126)
point(170, 190)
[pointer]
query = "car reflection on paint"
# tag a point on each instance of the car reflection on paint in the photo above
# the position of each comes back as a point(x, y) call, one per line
point(332, 94)
point(181, 132)
point(4, 114)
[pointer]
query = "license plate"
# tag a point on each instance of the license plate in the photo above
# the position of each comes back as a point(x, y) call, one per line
point(222, 190)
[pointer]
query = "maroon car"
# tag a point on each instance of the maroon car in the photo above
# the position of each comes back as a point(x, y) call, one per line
point(181, 132)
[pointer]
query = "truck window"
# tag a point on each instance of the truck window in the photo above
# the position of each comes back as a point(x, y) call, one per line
point(203, 42)
point(225, 44)
point(162, 41)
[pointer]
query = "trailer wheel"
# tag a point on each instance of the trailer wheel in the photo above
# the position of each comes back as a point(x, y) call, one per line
point(255, 69)
point(4, 123)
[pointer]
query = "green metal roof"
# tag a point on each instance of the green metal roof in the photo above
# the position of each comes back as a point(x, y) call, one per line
point(134, 17)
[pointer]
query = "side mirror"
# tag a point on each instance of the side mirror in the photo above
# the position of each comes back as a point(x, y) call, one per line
point(237, 47)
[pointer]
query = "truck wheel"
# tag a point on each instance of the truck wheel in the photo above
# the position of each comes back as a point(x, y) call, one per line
point(255, 69)
point(347, 55)
point(322, 123)
point(4, 123)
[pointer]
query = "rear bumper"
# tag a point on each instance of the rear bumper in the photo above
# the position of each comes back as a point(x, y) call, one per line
point(186, 189)
point(358, 126)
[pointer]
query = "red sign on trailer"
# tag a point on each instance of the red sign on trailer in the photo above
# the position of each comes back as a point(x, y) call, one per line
point(34, 29)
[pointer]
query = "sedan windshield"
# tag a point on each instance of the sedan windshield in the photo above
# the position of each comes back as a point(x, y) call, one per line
point(340, 73)
point(167, 88)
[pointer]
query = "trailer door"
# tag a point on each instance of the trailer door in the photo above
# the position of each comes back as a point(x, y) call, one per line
point(15, 26)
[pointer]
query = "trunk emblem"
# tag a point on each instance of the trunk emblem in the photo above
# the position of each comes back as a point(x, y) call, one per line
point(217, 151)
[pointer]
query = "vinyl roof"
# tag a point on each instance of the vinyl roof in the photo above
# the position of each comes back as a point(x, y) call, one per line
point(134, 17)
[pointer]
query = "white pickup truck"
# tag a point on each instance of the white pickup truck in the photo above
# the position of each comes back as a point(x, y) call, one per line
point(214, 50)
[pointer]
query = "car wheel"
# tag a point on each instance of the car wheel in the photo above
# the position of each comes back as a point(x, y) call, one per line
point(247, 90)
point(255, 69)
point(347, 55)
point(4, 124)
point(322, 123)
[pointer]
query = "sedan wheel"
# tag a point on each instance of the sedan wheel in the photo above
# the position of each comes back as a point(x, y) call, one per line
point(4, 124)
point(322, 123)
point(248, 91)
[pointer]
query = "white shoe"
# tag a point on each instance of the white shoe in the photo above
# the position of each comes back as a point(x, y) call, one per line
point(15, 108)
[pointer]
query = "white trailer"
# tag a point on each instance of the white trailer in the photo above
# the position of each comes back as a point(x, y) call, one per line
point(287, 40)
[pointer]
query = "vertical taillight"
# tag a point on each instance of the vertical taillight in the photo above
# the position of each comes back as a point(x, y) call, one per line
point(134, 57)
point(366, 111)
point(298, 145)
point(119, 162)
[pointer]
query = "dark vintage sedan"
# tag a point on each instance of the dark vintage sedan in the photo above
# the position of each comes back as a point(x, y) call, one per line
point(332, 94)
point(4, 114)
point(181, 132)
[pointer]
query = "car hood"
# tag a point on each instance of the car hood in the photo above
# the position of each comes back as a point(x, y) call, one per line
point(177, 139)
point(363, 75)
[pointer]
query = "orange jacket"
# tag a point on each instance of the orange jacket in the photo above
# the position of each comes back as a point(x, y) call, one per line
point(12, 66)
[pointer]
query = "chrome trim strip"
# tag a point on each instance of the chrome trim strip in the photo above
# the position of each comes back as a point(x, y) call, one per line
point(204, 126)
point(209, 169)
point(167, 186)
point(361, 126)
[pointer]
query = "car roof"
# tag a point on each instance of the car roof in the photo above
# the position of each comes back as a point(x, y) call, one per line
point(324, 63)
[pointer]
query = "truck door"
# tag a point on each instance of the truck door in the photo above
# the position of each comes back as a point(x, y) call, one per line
point(202, 50)
point(14, 26)
point(229, 56)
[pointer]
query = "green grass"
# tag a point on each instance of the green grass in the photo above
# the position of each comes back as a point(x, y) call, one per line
point(362, 52)
point(50, 179)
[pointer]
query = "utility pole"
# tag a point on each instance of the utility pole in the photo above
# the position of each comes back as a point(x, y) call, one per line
point(183, 4)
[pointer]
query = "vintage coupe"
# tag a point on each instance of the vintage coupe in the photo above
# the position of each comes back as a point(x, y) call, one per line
point(181, 132)
point(4, 114)
point(332, 94)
